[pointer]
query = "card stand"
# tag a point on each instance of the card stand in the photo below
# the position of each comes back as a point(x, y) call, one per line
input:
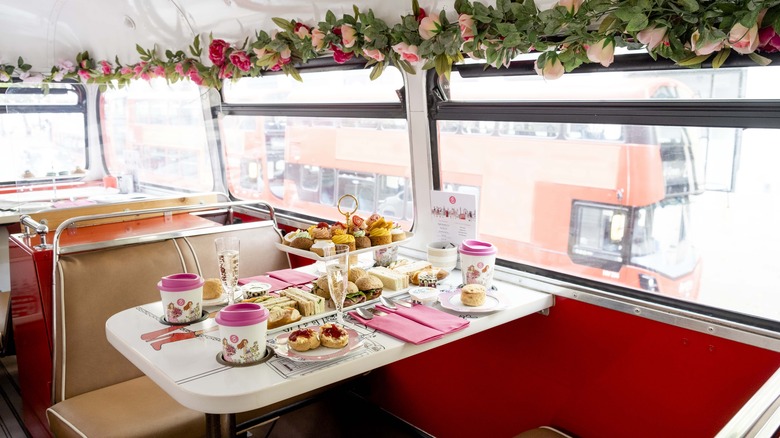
point(269, 353)
point(204, 316)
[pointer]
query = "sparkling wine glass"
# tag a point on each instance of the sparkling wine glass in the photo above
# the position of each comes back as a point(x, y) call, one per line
point(337, 269)
point(227, 255)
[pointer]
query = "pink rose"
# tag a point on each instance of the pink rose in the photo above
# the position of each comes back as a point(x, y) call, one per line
point(374, 54)
point(126, 70)
point(217, 51)
point(339, 56)
point(348, 37)
point(225, 72)
point(552, 69)
point(602, 52)
point(179, 68)
point(4, 77)
point(301, 30)
point(139, 68)
point(571, 5)
point(652, 36)
point(282, 61)
point(286, 54)
point(159, 71)
point(742, 39)
point(704, 50)
point(240, 59)
point(66, 66)
point(408, 53)
point(768, 40)
point(420, 15)
point(105, 67)
point(84, 75)
point(429, 27)
point(195, 76)
point(317, 39)
point(466, 24)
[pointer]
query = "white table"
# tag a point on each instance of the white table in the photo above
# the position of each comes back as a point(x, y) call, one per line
point(189, 371)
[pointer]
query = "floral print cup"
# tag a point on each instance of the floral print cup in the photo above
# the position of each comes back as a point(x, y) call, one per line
point(182, 297)
point(243, 328)
point(477, 262)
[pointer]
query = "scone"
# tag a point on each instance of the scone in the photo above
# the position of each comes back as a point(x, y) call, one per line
point(212, 289)
point(472, 295)
point(303, 340)
point(333, 336)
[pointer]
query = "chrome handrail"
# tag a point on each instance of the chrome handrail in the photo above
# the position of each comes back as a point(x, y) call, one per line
point(41, 229)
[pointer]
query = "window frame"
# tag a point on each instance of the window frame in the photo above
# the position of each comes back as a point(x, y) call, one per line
point(711, 113)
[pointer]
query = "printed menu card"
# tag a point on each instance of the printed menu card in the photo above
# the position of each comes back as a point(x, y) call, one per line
point(454, 215)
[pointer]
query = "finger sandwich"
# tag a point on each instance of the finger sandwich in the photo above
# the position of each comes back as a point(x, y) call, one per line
point(391, 279)
point(308, 303)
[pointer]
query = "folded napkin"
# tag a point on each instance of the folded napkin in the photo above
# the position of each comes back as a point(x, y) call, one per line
point(400, 327)
point(433, 318)
point(275, 284)
point(292, 276)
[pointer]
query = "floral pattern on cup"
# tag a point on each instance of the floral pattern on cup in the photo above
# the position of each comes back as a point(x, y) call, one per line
point(386, 256)
point(182, 311)
point(479, 274)
point(239, 351)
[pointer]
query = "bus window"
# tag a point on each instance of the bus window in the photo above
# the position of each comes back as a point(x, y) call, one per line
point(156, 132)
point(316, 156)
point(660, 205)
point(45, 133)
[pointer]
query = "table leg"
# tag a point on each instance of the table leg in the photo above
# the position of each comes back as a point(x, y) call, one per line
point(220, 425)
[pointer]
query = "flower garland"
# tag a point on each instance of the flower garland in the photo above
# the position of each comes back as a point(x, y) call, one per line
point(567, 33)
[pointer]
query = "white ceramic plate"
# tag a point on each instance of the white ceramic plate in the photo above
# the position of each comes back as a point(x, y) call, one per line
point(237, 294)
point(319, 354)
point(451, 300)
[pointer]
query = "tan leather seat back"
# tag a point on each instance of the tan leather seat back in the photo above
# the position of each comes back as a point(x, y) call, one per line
point(92, 286)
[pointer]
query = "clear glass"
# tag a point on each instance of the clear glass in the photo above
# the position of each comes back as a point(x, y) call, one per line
point(336, 86)
point(228, 250)
point(156, 133)
point(337, 270)
point(685, 212)
point(41, 146)
point(306, 164)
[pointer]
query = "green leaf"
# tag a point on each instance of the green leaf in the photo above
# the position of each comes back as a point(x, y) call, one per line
point(377, 70)
point(330, 18)
point(140, 50)
point(608, 21)
point(689, 5)
point(503, 6)
point(720, 57)
point(283, 24)
point(694, 60)
point(637, 23)
point(626, 13)
point(760, 60)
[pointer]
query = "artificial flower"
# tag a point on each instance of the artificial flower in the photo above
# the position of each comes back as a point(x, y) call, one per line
point(374, 54)
point(348, 35)
point(602, 52)
point(571, 5)
point(158, 71)
point(301, 30)
point(552, 68)
point(466, 25)
point(240, 59)
point(217, 50)
point(743, 40)
point(83, 74)
point(408, 52)
point(339, 56)
point(429, 27)
point(317, 39)
point(225, 72)
point(195, 76)
point(768, 40)
point(4, 77)
point(702, 50)
point(652, 36)
point(105, 67)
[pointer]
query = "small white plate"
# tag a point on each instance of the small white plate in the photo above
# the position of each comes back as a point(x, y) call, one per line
point(451, 300)
point(319, 354)
point(237, 294)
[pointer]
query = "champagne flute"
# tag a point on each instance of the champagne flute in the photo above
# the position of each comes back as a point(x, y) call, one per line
point(337, 269)
point(227, 255)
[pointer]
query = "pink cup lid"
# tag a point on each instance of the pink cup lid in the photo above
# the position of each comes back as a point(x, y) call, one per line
point(180, 282)
point(241, 314)
point(474, 247)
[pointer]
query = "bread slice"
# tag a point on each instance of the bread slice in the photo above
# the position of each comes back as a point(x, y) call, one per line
point(411, 268)
point(308, 303)
point(280, 316)
point(270, 301)
point(390, 279)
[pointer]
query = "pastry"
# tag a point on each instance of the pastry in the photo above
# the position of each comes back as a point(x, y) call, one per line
point(380, 236)
point(212, 289)
point(333, 336)
point(355, 273)
point(321, 287)
point(279, 316)
point(320, 245)
point(472, 295)
point(397, 234)
point(320, 231)
point(304, 339)
point(440, 274)
point(361, 240)
point(345, 239)
point(370, 285)
point(338, 229)
point(303, 243)
point(357, 224)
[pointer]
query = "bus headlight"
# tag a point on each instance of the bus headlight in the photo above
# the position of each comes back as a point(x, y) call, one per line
point(648, 283)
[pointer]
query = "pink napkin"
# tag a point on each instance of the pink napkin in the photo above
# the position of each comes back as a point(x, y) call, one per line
point(292, 276)
point(400, 327)
point(275, 284)
point(433, 318)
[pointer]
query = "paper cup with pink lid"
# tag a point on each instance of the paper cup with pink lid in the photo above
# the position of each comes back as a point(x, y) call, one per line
point(182, 297)
point(477, 262)
point(243, 328)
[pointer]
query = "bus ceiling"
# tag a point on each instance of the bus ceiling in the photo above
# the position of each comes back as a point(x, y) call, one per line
point(45, 32)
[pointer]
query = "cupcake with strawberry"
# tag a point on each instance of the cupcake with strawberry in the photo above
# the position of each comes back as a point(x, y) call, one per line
point(358, 229)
